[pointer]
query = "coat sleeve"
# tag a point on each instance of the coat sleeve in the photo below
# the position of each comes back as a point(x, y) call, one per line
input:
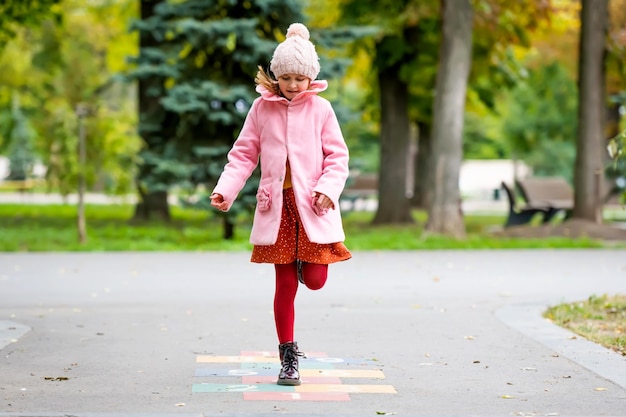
point(242, 159)
point(335, 151)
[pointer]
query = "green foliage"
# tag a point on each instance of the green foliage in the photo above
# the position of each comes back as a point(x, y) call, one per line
point(539, 121)
point(407, 39)
point(501, 28)
point(479, 139)
point(59, 64)
point(15, 14)
point(616, 170)
point(335, 45)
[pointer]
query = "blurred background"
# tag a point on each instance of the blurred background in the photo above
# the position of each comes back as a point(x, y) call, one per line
point(138, 101)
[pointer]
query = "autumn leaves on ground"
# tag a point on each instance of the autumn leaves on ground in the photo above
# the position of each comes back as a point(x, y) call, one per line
point(601, 319)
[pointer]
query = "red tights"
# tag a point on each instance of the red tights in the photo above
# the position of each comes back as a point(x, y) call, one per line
point(286, 287)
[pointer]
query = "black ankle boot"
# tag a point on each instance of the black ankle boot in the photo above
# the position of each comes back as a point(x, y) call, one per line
point(289, 354)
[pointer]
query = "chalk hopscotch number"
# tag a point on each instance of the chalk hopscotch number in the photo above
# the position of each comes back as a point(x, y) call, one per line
point(242, 372)
point(241, 388)
point(329, 360)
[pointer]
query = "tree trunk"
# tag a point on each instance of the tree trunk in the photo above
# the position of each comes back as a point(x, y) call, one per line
point(229, 229)
point(152, 205)
point(589, 170)
point(393, 205)
point(422, 174)
point(455, 57)
point(150, 202)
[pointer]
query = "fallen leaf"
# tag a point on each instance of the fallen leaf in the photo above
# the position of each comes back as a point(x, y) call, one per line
point(57, 378)
point(179, 405)
point(469, 337)
point(507, 397)
point(600, 389)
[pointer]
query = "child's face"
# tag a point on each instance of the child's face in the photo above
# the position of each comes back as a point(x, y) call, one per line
point(292, 84)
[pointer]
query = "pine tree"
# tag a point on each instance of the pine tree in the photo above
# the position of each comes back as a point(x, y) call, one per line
point(20, 150)
point(195, 70)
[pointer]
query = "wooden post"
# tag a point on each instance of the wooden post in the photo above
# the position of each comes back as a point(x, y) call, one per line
point(81, 113)
point(598, 196)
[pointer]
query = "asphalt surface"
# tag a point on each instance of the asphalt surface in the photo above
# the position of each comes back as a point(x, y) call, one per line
point(455, 333)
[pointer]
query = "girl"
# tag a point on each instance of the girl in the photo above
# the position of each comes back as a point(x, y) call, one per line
point(304, 166)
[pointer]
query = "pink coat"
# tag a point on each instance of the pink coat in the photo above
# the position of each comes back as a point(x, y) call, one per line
point(306, 131)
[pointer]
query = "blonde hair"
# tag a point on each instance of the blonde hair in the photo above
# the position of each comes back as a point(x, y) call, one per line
point(262, 78)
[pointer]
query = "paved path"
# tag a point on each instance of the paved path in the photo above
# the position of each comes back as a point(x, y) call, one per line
point(454, 333)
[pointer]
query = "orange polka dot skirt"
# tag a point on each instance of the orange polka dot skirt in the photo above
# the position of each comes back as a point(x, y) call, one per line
point(293, 243)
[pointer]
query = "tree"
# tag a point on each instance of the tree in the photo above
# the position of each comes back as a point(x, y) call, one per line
point(152, 200)
point(589, 169)
point(455, 58)
point(413, 28)
point(16, 14)
point(21, 147)
point(394, 205)
point(196, 69)
point(404, 31)
point(69, 58)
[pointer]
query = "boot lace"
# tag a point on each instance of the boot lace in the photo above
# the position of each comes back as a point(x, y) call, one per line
point(290, 358)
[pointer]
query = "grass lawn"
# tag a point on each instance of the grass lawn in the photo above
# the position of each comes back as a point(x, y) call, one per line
point(36, 228)
point(601, 319)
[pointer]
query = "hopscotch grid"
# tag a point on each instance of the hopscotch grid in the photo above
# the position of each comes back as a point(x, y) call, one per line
point(321, 380)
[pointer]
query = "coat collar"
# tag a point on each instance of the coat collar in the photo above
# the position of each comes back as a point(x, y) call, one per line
point(316, 87)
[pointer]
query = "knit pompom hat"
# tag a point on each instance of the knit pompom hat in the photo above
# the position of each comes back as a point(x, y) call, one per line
point(296, 54)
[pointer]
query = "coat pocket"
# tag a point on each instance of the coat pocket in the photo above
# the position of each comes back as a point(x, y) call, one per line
point(264, 198)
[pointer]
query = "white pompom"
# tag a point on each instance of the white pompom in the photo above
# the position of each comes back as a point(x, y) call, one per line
point(298, 29)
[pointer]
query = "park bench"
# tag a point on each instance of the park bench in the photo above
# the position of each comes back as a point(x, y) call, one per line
point(554, 193)
point(523, 212)
point(359, 188)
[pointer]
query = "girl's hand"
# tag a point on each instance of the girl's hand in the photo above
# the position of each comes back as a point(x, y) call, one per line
point(322, 202)
point(217, 201)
